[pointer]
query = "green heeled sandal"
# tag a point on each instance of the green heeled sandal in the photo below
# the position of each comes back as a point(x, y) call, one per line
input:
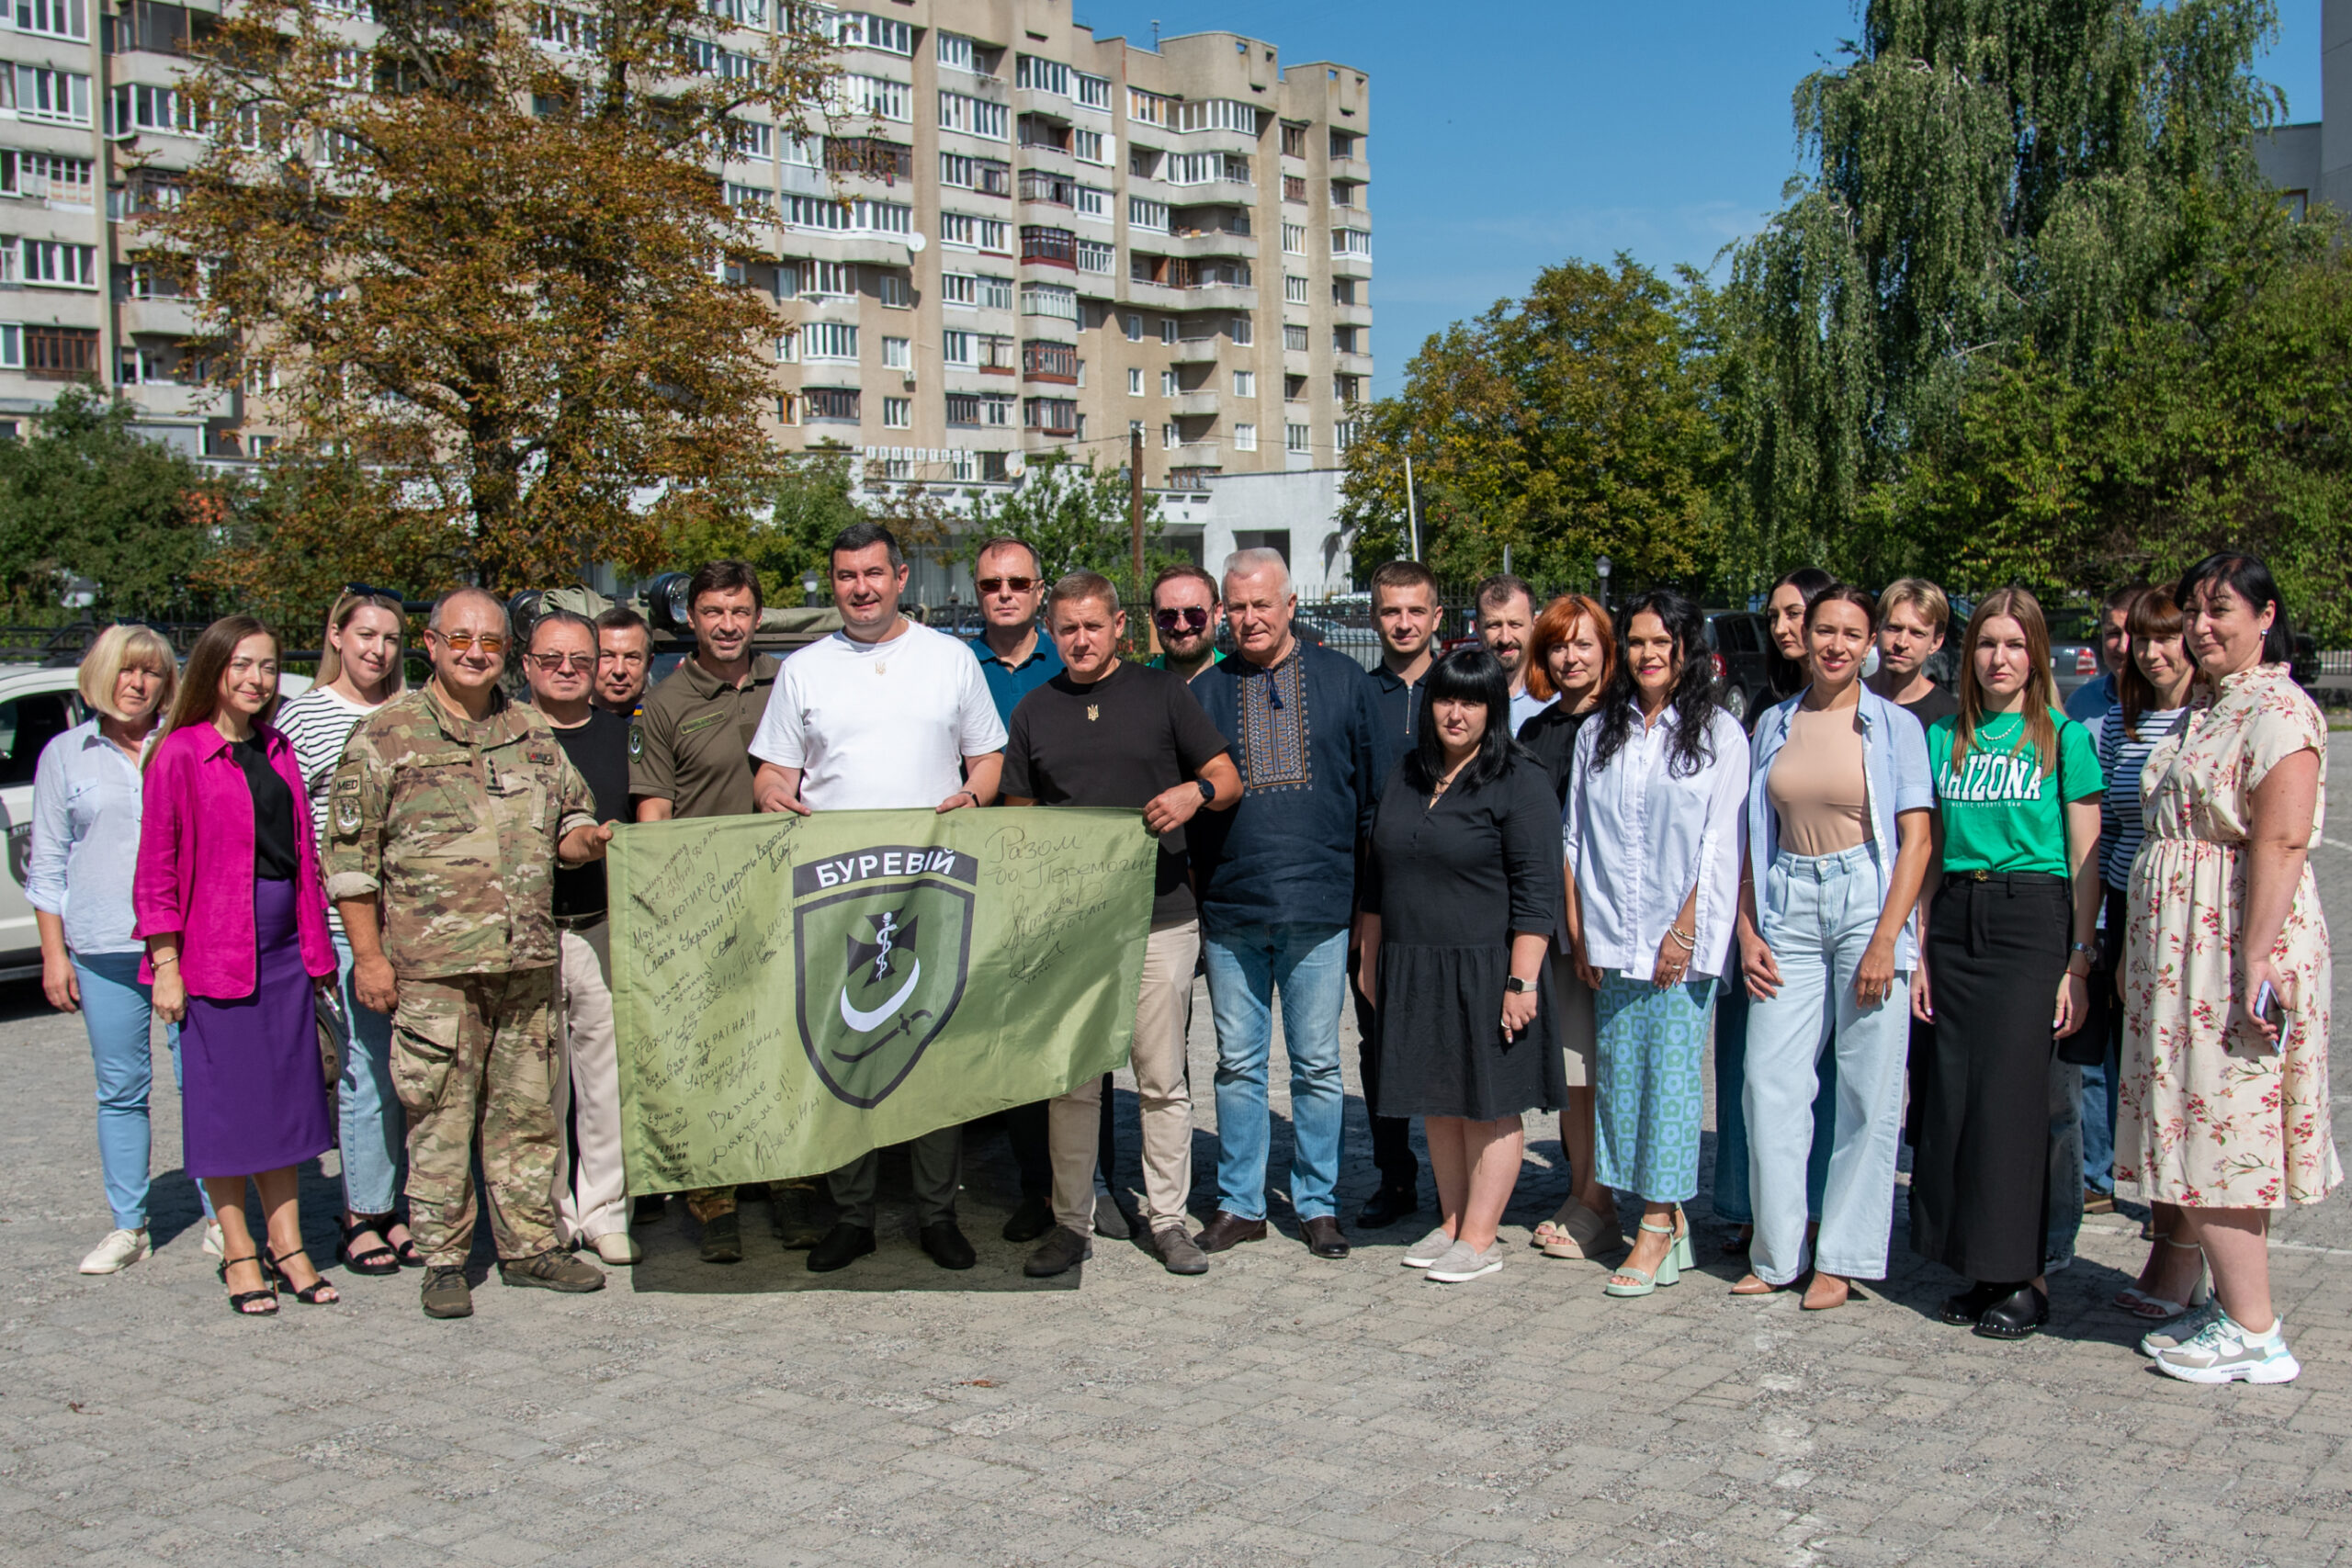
point(1669, 1268)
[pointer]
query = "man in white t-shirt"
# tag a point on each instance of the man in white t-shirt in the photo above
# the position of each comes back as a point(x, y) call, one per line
point(883, 715)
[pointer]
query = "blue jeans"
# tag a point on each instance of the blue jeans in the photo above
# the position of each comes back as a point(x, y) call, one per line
point(1731, 1199)
point(2098, 1110)
point(373, 1130)
point(119, 1013)
point(1309, 965)
point(1819, 914)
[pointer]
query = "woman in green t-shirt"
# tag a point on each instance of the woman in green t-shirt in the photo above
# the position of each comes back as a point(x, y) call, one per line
point(2008, 943)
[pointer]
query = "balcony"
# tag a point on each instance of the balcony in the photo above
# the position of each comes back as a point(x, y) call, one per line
point(173, 400)
point(869, 157)
point(1354, 170)
point(1196, 351)
point(1196, 455)
point(168, 316)
point(1048, 248)
point(1158, 296)
point(1055, 362)
point(1044, 186)
point(1201, 402)
point(1351, 265)
point(1199, 243)
point(1352, 316)
point(1214, 193)
point(1034, 133)
point(1344, 364)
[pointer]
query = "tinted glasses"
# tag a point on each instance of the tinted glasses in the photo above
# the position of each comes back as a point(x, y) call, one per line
point(1006, 584)
point(1189, 617)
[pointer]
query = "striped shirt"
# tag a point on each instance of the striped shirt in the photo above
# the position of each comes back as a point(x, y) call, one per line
point(2122, 758)
point(317, 724)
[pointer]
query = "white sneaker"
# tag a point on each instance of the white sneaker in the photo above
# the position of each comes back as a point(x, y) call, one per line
point(2224, 1352)
point(1467, 1262)
point(617, 1247)
point(1427, 1251)
point(212, 1245)
point(2180, 1330)
point(118, 1251)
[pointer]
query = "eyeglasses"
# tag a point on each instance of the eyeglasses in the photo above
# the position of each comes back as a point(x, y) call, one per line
point(551, 662)
point(1192, 617)
point(1005, 584)
point(462, 642)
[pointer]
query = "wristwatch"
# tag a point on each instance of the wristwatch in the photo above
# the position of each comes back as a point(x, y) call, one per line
point(1208, 791)
point(1516, 986)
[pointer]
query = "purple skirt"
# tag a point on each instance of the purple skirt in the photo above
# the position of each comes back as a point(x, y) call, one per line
point(251, 1096)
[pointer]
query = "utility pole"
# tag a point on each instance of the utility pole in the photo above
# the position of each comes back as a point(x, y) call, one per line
point(1412, 511)
point(1135, 530)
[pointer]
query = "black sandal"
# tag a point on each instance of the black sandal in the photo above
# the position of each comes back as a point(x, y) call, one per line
point(380, 1259)
point(309, 1295)
point(409, 1255)
point(239, 1300)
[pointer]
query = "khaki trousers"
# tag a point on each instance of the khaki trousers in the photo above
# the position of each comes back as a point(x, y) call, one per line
point(1162, 1014)
point(591, 1194)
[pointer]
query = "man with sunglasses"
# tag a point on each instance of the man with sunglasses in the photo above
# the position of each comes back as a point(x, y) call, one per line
point(1017, 658)
point(591, 1194)
point(690, 755)
point(1186, 612)
point(446, 818)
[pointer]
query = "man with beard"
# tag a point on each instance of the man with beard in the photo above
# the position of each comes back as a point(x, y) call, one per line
point(1186, 612)
point(1506, 623)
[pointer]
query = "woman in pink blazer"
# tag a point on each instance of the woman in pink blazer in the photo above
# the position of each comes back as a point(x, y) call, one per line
point(231, 907)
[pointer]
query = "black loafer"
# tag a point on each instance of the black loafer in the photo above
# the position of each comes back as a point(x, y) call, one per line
point(722, 1239)
point(945, 1241)
point(1388, 1206)
point(1033, 1219)
point(1323, 1238)
point(2019, 1315)
point(1965, 1308)
point(842, 1246)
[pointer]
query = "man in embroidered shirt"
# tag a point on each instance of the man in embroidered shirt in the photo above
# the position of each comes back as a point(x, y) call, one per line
point(1277, 876)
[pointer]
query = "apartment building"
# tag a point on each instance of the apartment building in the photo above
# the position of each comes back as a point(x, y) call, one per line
point(1022, 238)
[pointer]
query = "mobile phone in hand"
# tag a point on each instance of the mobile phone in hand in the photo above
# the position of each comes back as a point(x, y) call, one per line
point(2265, 1008)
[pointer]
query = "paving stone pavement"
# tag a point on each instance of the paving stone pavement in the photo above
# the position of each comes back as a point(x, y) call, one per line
point(1278, 1411)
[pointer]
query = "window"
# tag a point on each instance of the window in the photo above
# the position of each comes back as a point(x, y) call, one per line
point(828, 340)
point(1050, 416)
point(1092, 201)
point(854, 30)
point(1093, 92)
point(1344, 291)
point(58, 18)
point(787, 346)
point(878, 96)
point(1036, 130)
point(958, 52)
point(756, 200)
point(60, 352)
point(1135, 328)
point(1049, 361)
point(1095, 255)
point(973, 117)
point(1049, 299)
point(822, 278)
point(898, 353)
point(1293, 239)
point(1295, 439)
point(1217, 113)
point(750, 138)
point(959, 288)
point(40, 175)
point(1169, 384)
point(1343, 435)
point(959, 228)
point(996, 293)
point(1037, 185)
point(1245, 383)
point(567, 30)
point(1351, 242)
point(12, 353)
point(1168, 328)
point(1166, 436)
point(1144, 162)
point(1294, 187)
point(1200, 168)
point(136, 367)
point(989, 176)
point(801, 150)
point(742, 13)
point(1041, 75)
point(1343, 193)
point(1143, 214)
point(1343, 144)
point(1135, 380)
point(898, 413)
point(1093, 146)
point(1294, 388)
point(1348, 389)
point(53, 264)
point(896, 291)
point(1293, 141)
point(1245, 438)
point(1295, 338)
point(64, 95)
point(1293, 289)
point(1149, 109)
point(28, 724)
point(1242, 330)
point(831, 403)
point(955, 348)
point(815, 212)
point(861, 215)
point(1343, 340)
point(964, 408)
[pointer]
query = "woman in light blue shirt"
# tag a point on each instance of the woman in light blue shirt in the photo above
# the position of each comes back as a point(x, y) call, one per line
point(84, 844)
point(1654, 831)
point(1838, 839)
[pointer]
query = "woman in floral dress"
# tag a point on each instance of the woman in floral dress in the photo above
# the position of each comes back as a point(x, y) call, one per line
point(2224, 1114)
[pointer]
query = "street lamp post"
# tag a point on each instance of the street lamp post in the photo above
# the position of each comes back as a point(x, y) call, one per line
point(1600, 570)
point(809, 586)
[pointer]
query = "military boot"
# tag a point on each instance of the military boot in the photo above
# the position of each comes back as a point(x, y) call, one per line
point(553, 1270)
point(445, 1294)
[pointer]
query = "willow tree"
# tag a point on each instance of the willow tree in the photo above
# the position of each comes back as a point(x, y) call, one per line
point(1562, 426)
point(480, 245)
point(1991, 184)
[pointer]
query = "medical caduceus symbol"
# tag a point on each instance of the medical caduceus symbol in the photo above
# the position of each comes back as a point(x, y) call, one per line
point(889, 936)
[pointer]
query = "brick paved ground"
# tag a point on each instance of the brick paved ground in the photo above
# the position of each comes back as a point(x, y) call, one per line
point(1281, 1410)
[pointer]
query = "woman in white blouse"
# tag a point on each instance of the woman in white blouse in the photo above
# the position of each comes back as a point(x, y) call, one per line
point(1655, 830)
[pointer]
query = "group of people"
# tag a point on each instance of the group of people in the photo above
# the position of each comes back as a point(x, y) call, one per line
point(1549, 865)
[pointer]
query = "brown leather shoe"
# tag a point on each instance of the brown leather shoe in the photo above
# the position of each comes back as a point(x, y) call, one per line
point(1228, 1230)
point(1323, 1238)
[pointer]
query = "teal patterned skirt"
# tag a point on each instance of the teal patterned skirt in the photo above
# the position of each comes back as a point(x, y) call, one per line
point(1650, 1097)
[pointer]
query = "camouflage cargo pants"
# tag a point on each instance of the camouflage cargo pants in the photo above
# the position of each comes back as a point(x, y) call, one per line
point(474, 1055)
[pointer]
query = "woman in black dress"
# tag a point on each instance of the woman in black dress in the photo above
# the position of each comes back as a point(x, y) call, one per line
point(1462, 896)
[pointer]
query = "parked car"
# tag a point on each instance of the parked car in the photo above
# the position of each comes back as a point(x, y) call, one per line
point(38, 704)
point(2073, 649)
point(1739, 643)
point(2303, 660)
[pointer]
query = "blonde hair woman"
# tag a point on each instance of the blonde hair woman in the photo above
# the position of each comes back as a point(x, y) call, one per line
point(85, 849)
point(360, 672)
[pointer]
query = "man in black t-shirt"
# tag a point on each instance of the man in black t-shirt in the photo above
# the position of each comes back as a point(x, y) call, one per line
point(1113, 734)
point(591, 1195)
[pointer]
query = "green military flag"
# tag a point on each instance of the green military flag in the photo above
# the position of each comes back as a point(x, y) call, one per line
point(790, 992)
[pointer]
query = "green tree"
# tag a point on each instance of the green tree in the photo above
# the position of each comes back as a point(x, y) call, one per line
point(809, 501)
point(88, 496)
point(1075, 517)
point(1997, 190)
point(1566, 426)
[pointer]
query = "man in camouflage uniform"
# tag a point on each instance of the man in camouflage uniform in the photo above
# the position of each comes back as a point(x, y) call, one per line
point(447, 813)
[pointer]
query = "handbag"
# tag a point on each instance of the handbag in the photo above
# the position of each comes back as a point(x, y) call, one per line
point(334, 1029)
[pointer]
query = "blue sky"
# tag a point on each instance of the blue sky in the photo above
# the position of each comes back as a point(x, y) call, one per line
point(1508, 135)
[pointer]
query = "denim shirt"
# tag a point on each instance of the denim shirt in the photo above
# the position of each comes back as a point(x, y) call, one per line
point(1895, 777)
point(86, 807)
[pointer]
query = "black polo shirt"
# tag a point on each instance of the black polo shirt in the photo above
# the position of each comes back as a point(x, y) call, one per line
point(1400, 716)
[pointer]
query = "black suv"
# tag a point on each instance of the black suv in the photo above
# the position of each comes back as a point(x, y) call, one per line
point(1738, 642)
